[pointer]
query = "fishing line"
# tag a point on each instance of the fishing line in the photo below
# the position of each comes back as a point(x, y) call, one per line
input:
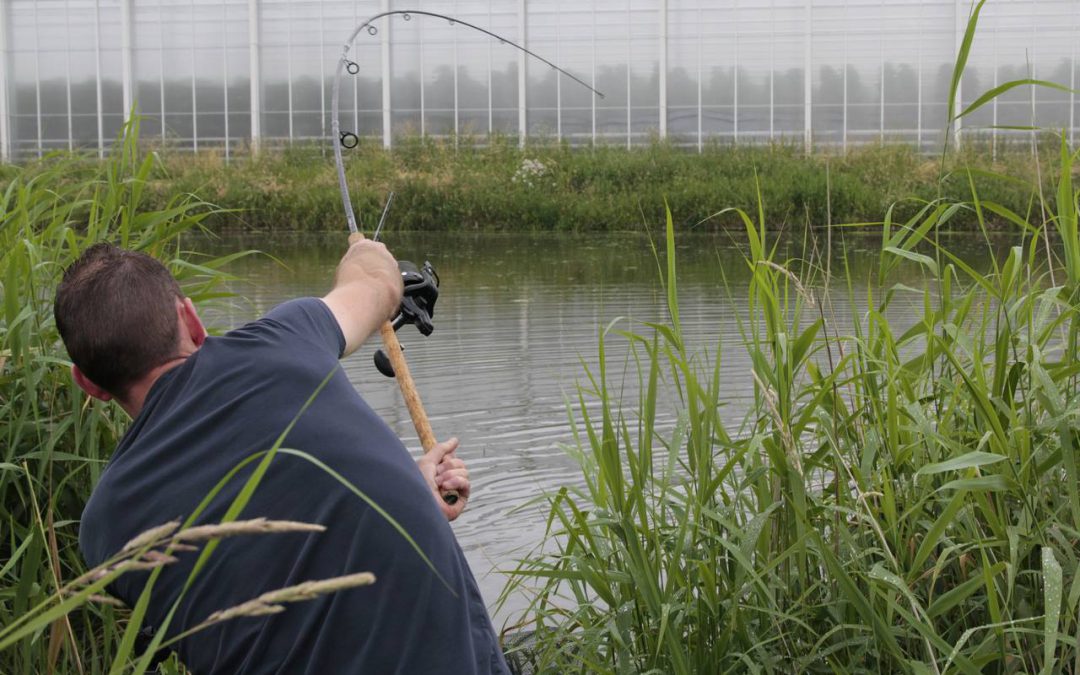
point(349, 139)
point(382, 218)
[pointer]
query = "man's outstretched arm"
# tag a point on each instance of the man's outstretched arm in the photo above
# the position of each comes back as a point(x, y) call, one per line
point(367, 291)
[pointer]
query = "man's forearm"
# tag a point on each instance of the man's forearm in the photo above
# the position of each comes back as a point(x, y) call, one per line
point(367, 292)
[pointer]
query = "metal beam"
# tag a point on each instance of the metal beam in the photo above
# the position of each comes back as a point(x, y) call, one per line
point(225, 71)
point(1034, 74)
point(255, 75)
point(5, 112)
point(735, 79)
point(161, 72)
point(629, 53)
point(127, 80)
point(663, 67)
point(700, 71)
point(194, 89)
point(592, 81)
point(288, 67)
point(384, 46)
point(37, 82)
point(67, 76)
point(808, 76)
point(423, 76)
point(772, 71)
point(844, 97)
point(1072, 78)
point(919, 87)
point(322, 74)
point(355, 81)
point(558, 75)
point(490, 98)
point(457, 102)
point(881, 78)
point(523, 36)
point(97, 78)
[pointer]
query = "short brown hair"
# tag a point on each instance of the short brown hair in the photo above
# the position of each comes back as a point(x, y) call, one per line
point(116, 313)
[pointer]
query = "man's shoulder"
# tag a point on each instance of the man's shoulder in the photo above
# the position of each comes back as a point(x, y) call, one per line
point(93, 541)
point(306, 319)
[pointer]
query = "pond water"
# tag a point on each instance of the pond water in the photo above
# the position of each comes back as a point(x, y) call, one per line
point(516, 326)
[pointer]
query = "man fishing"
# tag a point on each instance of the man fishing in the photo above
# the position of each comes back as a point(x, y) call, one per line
point(201, 405)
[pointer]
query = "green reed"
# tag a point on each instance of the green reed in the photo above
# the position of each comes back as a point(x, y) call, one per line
point(899, 498)
point(903, 493)
point(53, 442)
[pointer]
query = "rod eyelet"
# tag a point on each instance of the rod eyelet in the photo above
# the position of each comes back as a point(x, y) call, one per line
point(349, 140)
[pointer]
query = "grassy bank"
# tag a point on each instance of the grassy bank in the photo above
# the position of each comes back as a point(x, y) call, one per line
point(549, 187)
point(553, 187)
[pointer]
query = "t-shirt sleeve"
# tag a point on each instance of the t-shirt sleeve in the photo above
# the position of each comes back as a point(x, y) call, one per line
point(311, 320)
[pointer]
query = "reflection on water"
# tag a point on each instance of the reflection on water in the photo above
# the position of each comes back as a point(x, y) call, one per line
point(516, 324)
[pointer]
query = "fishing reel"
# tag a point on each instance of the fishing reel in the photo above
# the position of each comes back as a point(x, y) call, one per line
point(417, 305)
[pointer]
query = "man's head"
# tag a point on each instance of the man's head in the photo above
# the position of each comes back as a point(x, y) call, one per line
point(121, 314)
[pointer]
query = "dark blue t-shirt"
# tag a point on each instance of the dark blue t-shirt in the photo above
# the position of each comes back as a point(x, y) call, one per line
point(233, 398)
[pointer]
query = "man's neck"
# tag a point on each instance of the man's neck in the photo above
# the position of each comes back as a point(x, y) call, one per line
point(133, 402)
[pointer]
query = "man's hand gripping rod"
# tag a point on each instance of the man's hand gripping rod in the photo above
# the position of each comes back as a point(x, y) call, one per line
point(408, 387)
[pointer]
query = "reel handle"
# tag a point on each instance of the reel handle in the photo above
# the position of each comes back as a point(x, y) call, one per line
point(408, 387)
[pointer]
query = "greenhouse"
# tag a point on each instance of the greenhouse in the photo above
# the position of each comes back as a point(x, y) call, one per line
point(238, 74)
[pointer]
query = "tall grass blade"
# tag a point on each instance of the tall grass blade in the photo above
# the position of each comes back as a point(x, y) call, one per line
point(961, 63)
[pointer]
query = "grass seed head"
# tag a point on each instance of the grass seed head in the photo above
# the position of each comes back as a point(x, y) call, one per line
point(241, 527)
point(254, 607)
point(151, 536)
point(147, 561)
point(312, 589)
point(270, 602)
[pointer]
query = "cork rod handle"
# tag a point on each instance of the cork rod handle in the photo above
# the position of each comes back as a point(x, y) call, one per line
point(408, 387)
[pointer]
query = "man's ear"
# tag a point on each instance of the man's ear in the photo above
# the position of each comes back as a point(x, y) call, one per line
point(191, 322)
point(89, 387)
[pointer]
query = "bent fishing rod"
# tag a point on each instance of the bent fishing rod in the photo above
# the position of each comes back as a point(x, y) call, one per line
point(421, 284)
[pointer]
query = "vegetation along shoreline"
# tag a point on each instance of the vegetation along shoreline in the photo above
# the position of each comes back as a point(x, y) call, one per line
point(443, 185)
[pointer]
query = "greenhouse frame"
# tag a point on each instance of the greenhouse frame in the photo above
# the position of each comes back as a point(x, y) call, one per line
point(238, 75)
